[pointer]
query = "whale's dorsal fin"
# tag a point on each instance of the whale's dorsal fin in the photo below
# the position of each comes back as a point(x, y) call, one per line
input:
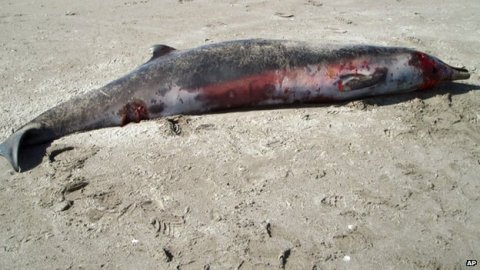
point(159, 50)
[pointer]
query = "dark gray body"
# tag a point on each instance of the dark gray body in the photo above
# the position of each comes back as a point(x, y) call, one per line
point(236, 74)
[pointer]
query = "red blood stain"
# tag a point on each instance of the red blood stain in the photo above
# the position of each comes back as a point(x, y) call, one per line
point(348, 66)
point(365, 65)
point(428, 66)
point(249, 90)
point(134, 111)
point(340, 86)
point(268, 86)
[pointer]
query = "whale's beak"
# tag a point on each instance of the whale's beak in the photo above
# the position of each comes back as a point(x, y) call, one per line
point(435, 71)
point(459, 73)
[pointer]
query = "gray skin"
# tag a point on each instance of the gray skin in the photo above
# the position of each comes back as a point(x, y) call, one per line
point(235, 74)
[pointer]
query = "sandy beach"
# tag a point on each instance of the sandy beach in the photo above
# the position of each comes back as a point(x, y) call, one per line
point(381, 183)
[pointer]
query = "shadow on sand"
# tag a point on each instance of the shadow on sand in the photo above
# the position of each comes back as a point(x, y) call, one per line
point(447, 88)
point(31, 156)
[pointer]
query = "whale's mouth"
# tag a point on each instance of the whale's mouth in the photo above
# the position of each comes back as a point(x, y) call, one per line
point(459, 73)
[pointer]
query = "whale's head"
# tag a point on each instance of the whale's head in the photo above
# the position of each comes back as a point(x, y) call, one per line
point(434, 70)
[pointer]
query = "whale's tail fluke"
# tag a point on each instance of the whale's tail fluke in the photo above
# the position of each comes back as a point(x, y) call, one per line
point(32, 133)
point(9, 148)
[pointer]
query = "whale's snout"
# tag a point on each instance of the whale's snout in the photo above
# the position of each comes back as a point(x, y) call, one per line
point(435, 71)
point(458, 73)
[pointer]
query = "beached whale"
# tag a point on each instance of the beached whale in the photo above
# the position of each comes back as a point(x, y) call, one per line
point(236, 74)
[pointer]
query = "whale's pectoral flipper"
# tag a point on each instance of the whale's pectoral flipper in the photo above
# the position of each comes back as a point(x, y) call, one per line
point(159, 50)
point(356, 81)
point(10, 148)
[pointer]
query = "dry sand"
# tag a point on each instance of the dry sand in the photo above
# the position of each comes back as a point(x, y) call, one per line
point(383, 183)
